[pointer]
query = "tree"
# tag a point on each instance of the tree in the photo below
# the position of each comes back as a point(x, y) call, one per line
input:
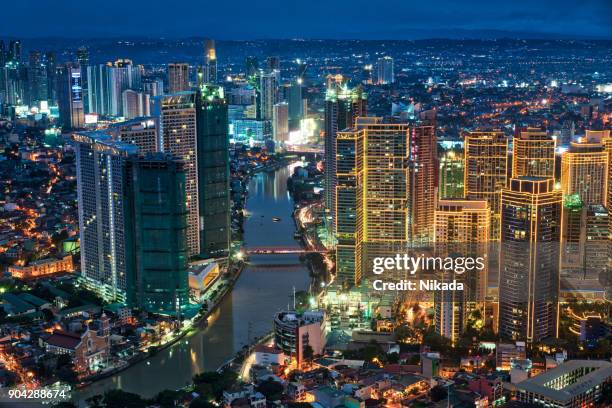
point(122, 399)
point(64, 404)
point(308, 353)
point(437, 393)
point(166, 398)
point(271, 389)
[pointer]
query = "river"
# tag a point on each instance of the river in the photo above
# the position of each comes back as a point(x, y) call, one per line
point(263, 288)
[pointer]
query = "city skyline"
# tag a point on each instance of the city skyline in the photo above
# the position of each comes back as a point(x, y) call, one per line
point(442, 19)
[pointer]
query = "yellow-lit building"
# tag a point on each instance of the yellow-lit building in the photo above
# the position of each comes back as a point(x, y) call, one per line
point(486, 168)
point(533, 154)
point(529, 259)
point(386, 192)
point(461, 227)
point(584, 171)
point(42, 268)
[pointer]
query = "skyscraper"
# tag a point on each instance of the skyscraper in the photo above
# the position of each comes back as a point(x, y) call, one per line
point(342, 106)
point(132, 219)
point(101, 193)
point(273, 66)
point(380, 202)
point(99, 89)
point(385, 71)
point(296, 104)
point(178, 77)
point(280, 124)
point(486, 161)
point(51, 68)
point(423, 183)
point(533, 154)
point(584, 243)
point(156, 221)
point(177, 118)
point(210, 62)
point(37, 76)
point(584, 171)
point(461, 227)
point(267, 95)
point(70, 96)
point(529, 262)
point(213, 172)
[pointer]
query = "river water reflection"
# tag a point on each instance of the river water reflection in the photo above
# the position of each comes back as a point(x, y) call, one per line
point(263, 288)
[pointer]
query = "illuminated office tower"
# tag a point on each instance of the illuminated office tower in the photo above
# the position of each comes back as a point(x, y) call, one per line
point(378, 202)
point(342, 106)
point(584, 241)
point(142, 132)
point(156, 228)
point(267, 95)
point(384, 67)
point(533, 154)
point(82, 56)
point(584, 171)
point(462, 227)
point(296, 104)
point(451, 174)
point(51, 69)
point(486, 161)
point(101, 191)
point(135, 104)
point(423, 182)
point(99, 89)
point(529, 259)
point(280, 124)
point(70, 96)
point(213, 172)
point(210, 62)
point(123, 74)
point(178, 77)
point(177, 119)
point(37, 76)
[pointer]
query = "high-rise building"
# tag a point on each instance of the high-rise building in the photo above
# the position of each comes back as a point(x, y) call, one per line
point(178, 77)
point(584, 242)
point(213, 172)
point(135, 104)
point(70, 96)
point(267, 95)
point(82, 56)
point(156, 221)
point(142, 132)
point(486, 166)
point(101, 194)
point(296, 104)
point(380, 202)
point(529, 259)
point(210, 62)
point(423, 183)
point(132, 219)
point(37, 76)
point(14, 51)
point(153, 86)
point(461, 227)
point(342, 106)
point(385, 73)
point(280, 123)
point(99, 89)
point(584, 171)
point(177, 120)
point(451, 174)
point(533, 154)
point(51, 68)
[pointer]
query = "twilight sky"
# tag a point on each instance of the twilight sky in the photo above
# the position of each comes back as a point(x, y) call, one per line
point(253, 19)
